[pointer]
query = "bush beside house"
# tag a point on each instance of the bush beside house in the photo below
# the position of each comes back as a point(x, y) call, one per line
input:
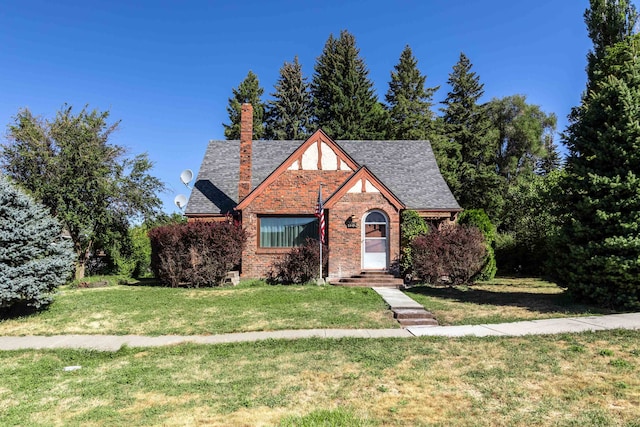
point(300, 265)
point(478, 218)
point(412, 226)
point(195, 254)
point(450, 255)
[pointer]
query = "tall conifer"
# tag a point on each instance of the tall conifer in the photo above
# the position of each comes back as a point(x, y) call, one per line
point(288, 115)
point(249, 91)
point(467, 152)
point(598, 251)
point(409, 102)
point(344, 102)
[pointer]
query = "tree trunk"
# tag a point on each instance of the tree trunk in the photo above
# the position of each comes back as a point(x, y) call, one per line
point(80, 270)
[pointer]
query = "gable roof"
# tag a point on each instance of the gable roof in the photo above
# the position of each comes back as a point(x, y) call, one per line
point(407, 168)
point(295, 160)
point(360, 181)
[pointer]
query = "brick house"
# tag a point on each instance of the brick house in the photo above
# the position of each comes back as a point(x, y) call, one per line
point(272, 188)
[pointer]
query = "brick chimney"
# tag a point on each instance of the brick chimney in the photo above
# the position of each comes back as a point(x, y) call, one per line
point(246, 136)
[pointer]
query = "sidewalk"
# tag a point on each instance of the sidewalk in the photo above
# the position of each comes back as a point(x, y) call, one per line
point(533, 327)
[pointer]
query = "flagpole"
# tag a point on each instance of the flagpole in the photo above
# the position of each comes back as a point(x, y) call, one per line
point(319, 231)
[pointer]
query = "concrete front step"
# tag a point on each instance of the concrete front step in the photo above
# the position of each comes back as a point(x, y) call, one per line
point(366, 285)
point(414, 317)
point(417, 322)
point(412, 314)
point(372, 280)
point(380, 279)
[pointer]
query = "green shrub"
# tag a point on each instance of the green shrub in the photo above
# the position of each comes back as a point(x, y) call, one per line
point(34, 259)
point(478, 218)
point(412, 226)
point(129, 255)
point(300, 265)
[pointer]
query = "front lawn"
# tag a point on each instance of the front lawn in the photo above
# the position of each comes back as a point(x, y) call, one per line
point(250, 306)
point(255, 306)
point(587, 379)
point(499, 300)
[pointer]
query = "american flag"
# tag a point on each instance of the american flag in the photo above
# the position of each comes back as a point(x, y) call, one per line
point(320, 215)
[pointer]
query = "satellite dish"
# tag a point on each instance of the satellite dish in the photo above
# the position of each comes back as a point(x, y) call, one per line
point(186, 176)
point(180, 201)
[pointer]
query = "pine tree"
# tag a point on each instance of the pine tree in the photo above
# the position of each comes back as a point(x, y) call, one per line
point(344, 101)
point(249, 91)
point(409, 102)
point(598, 252)
point(34, 259)
point(467, 149)
point(608, 22)
point(552, 161)
point(289, 113)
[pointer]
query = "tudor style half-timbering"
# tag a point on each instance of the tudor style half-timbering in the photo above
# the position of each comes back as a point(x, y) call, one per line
point(272, 187)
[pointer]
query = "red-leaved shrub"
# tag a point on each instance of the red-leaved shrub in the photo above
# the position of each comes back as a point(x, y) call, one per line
point(300, 265)
point(195, 253)
point(450, 255)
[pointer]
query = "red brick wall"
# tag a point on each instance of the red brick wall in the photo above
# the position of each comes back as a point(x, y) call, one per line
point(295, 192)
point(246, 137)
point(345, 244)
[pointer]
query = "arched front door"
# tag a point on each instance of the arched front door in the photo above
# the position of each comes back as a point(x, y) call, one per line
point(374, 241)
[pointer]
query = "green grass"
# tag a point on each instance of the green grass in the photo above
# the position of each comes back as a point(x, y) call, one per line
point(154, 310)
point(587, 379)
point(500, 300)
point(142, 308)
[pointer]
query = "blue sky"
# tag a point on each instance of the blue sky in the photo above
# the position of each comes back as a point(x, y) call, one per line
point(166, 68)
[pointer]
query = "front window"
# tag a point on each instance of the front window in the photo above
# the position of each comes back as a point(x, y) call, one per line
point(287, 231)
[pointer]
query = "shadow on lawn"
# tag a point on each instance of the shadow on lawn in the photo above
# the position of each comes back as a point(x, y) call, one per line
point(19, 310)
point(532, 301)
point(146, 281)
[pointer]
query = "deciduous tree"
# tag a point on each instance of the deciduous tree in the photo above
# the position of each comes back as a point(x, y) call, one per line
point(521, 137)
point(87, 183)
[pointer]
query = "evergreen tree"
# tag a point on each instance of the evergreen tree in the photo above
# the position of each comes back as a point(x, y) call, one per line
point(469, 153)
point(608, 22)
point(552, 160)
point(409, 102)
point(249, 91)
point(598, 253)
point(289, 113)
point(34, 259)
point(344, 101)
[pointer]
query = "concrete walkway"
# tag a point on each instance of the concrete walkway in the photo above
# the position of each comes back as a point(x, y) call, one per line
point(393, 297)
point(396, 299)
point(114, 342)
point(534, 327)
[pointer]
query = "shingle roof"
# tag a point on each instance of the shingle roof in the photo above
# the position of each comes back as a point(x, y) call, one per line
point(407, 168)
